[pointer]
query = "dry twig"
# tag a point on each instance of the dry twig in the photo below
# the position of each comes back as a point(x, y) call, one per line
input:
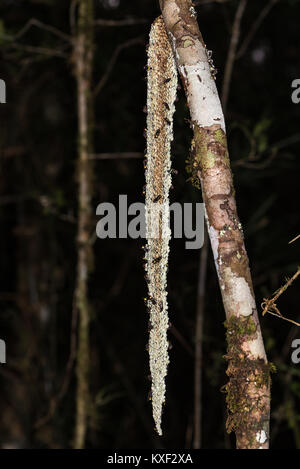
point(270, 307)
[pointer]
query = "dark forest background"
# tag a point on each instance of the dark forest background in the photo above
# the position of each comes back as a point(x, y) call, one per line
point(38, 205)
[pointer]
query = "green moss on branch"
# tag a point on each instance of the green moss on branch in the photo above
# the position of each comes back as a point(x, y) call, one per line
point(247, 388)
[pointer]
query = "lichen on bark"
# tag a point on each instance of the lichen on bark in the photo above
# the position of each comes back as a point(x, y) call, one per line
point(248, 385)
point(209, 163)
point(208, 149)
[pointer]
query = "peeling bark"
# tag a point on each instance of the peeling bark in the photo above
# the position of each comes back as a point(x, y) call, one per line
point(83, 60)
point(248, 388)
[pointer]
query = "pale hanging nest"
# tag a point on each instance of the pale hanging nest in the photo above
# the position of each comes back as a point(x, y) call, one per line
point(161, 94)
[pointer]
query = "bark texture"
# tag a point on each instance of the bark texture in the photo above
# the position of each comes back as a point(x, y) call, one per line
point(248, 388)
point(83, 58)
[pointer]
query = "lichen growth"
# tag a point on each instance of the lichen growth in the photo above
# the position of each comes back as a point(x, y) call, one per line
point(238, 327)
point(249, 377)
point(203, 156)
point(221, 137)
point(192, 167)
point(209, 148)
point(188, 43)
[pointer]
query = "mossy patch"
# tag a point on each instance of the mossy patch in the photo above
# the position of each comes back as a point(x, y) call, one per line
point(237, 327)
point(209, 148)
point(249, 380)
point(192, 167)
point(221, 137)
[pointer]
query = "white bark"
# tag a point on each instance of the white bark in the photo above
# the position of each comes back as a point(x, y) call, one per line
point(248, 387)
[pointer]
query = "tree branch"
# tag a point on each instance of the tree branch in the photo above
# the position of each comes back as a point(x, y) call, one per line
point(83, 60)
point(113, 60)
point(232, 51)
point(38, 50)
point(117, 23)
point(264, 12)
point(40, 25)
point(248, 388)
point(199, 343)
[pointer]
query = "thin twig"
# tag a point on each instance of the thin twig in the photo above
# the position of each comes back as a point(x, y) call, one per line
point(280, 291)
point(125, 22)
point(175, 332)
point(294, 239)
point(38, 24)
point(83, 61)
point(116, 156)
point(232, 51)
point(279, 315)
point(72, 16)
point(199, 343)
point(38, 50)
point(270, 307)
point(248, 163)
point(264, 12)
point(252, 158)
point(113, 60)
point(55, 401)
